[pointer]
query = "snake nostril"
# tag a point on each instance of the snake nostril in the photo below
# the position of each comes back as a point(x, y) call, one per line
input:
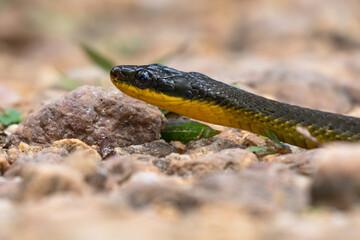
point(115, 72)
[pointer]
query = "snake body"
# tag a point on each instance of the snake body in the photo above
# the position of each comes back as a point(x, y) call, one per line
point(200, 97)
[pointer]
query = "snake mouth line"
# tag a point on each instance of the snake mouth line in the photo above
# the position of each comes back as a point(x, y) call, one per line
point(146, 95)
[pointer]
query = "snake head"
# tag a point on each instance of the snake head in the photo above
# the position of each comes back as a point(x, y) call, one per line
point(157, 81)
point(155, 77)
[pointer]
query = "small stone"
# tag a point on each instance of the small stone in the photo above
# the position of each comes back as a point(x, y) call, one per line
point(228, 160)
point(5, 139)
point(162, 164)
point(158, 148)
point(305, 162)
point(105, 149)
point(251, 139)
point(119, 168)
point(261, 187)
point(46, 180)
point(13, 154)
point(93, 115)
point(175, 157)
point(11, 129)
point(28, 149)
point(46, 156)
point(337, 182)
point(217, 143)
point(73, 145)
point(88, 165)
point(4, 164)
point(179, 146)
point(146, 189)
point(145, 163)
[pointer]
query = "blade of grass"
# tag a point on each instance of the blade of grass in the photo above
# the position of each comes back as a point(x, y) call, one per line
point(98, 58)
point(272, 136)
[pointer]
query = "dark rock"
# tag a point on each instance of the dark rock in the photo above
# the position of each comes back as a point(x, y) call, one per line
point(106, 150)
point(93, 115)
point(5, 140)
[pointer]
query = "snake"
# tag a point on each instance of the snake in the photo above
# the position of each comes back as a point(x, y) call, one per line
point(200, 97)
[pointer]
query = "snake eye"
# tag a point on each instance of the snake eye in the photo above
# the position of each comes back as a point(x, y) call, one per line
point(143, 79)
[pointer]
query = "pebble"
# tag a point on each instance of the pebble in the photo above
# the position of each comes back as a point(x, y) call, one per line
point(337, 182)
point(88, 165)
point(217, 143)
point(158, 148)
point(305, 162)
point(149, 189)
point(259, 188)
point(228, 160)
point(46, 156)
point(46, 180)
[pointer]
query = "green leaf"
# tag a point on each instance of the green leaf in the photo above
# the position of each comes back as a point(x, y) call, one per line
point(257, 148)
point(98, 58)
point(164, 111)
point(272, 136)
point(186, 130)
point(10, 116)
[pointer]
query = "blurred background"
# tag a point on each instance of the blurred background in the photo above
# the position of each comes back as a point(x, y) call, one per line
point(47, 47)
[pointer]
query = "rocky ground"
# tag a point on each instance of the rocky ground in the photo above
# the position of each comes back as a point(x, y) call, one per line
point(89, 163)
